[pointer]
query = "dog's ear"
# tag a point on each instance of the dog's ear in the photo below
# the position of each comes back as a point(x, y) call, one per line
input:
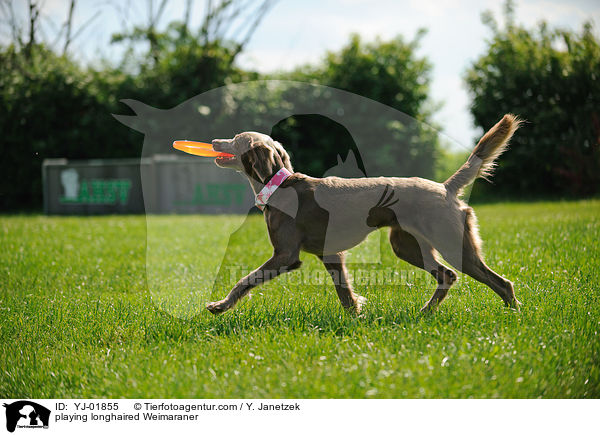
point(264, 164)
point(260, 162)
point(284, 156)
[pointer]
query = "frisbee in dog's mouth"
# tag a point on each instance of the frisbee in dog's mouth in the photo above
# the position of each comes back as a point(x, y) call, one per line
point(199, 149)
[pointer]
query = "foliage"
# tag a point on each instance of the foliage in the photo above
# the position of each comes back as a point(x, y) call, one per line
point(51, 108)
point(551, 78)
point(54, 108)
point(386, 71)
point(182, 66)
point(180, 62)
point(389, 72)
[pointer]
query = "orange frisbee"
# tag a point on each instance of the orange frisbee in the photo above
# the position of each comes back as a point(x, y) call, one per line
point(198, 148)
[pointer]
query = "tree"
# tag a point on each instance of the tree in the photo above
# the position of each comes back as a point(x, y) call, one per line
point(551, 78)
point(38, 28)
point(389, 72)
point(181, 62)
point(53, 107)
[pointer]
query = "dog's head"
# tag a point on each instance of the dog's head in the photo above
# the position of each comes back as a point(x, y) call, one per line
point(255, 154)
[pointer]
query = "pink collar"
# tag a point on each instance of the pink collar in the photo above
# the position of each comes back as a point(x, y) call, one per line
point(263, 196)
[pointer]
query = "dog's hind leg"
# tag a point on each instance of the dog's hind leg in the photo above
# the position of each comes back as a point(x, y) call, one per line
point(474, 266)
point(420, 253)
point(336, 267)
point(468, 258)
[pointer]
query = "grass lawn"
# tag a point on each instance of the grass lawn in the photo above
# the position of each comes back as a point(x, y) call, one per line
point(79, 318)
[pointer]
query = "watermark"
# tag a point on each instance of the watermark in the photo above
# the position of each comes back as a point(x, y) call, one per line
point(381, 141)
point(386, 276)
point(127, 416)
point(25, 414)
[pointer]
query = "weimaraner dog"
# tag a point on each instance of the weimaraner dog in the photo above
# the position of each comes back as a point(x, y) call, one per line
point(327, 216)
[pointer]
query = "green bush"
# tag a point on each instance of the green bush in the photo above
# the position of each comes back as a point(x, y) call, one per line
point(551, 78)
point(52, 108)
point(389, 72)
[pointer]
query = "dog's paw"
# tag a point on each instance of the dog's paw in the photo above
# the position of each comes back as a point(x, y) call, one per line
point(360, 303)
point(514, 304)
point(218, 307)
point(427, 308)
point(357, 305)
point(451, 276)
point(430, 307)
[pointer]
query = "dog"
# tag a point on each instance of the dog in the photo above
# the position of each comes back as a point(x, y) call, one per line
point(327, 216)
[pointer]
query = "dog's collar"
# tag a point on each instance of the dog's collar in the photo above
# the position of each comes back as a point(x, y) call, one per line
point(263, 196)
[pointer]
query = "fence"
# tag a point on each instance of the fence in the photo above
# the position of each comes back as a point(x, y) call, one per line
point(158, 184)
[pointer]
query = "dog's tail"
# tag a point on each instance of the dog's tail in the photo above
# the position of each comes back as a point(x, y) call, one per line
point(481, 161)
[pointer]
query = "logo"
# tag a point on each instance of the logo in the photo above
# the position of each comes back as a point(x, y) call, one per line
point(70, 181)
point(94, 191)
point(26, 414)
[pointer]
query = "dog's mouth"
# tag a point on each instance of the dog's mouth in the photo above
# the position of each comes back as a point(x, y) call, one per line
point(230, 161)
point(224, 160)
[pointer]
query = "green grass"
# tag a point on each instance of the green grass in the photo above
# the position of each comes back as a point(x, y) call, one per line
point(80, 319)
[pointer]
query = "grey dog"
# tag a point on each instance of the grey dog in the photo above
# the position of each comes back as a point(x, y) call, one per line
point(327, 216)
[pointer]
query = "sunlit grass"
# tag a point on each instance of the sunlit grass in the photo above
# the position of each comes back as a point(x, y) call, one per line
point(79, 318)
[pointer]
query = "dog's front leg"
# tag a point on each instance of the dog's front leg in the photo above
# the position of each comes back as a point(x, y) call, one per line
point(336, 267)
point(274, 266)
